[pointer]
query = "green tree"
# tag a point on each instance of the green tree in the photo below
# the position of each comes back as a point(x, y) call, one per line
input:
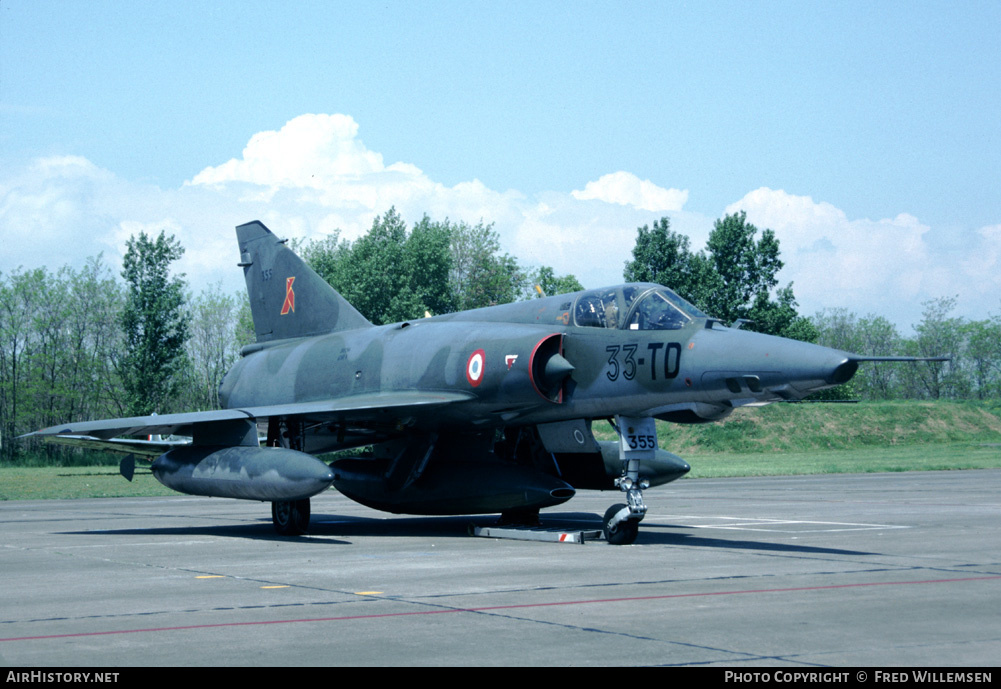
point(545, 279)
point(938, 334)
point(733, 279)
point(56, 334)
point(983, 357)
point(428, 262)
point(391, 275)
point(480, 275)
point(48, 360)
point(243, 328)
point(327, 257)
point(212, 347)
point(747, 269)
point(663, 256)
point(153, 323)
point(375, 278)
point(388, 274)
point(94, 301)
point(778, 316)
point(20, 297)
point(879, 337)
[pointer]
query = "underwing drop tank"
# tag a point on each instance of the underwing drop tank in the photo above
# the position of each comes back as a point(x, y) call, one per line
point(251, 473)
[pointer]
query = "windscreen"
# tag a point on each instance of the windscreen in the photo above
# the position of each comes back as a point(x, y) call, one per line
point(662, 309)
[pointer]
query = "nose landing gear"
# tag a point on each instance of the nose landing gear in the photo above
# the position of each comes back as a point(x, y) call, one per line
point(637, 441)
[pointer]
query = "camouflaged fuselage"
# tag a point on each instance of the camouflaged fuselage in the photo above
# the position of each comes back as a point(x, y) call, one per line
point(491, 355)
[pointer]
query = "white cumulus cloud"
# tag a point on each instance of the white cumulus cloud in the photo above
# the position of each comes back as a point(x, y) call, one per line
point(886, 266)
point(314, 176)
point(626, 189)
point(310, 151)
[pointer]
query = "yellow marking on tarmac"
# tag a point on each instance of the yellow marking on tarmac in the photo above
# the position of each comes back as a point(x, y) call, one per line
point(211, 576)
point(275, 587)
point(368, 593)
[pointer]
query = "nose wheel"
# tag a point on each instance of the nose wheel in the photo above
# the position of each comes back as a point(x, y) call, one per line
point(621, 524)
point(620, 530)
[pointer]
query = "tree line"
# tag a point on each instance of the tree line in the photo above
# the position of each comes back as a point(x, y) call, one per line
point(85, 344)
point(81, 344)
point(973, 373)
point(735, 277)
point(391, 274)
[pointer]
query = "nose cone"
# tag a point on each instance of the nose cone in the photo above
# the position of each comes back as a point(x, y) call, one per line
point(807, 368)
point(817, 368)
point(744, 364)
point(843, 372)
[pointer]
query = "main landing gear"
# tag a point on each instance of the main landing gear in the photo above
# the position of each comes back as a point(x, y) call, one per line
point(637, 441)
point(290, 517)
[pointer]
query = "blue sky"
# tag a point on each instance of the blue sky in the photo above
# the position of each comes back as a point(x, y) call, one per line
point(865, 134)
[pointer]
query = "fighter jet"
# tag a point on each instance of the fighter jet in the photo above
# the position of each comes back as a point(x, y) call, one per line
point(478, 412)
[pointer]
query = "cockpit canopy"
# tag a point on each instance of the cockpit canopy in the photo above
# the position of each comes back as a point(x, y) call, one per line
point(634, 307)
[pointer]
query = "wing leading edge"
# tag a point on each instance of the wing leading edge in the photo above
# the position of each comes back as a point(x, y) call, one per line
point(356, 409)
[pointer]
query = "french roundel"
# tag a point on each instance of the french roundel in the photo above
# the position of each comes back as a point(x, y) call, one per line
point(474, 367)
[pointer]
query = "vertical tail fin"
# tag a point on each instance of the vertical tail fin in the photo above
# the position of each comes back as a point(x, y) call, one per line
point(287, 299)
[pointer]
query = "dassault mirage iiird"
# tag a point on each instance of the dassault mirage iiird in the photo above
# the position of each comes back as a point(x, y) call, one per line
point(476, 412)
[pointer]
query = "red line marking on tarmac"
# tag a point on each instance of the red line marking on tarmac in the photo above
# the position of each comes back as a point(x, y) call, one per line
point(500, 607)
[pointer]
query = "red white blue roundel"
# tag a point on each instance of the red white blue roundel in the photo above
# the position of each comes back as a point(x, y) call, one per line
point(474, 367)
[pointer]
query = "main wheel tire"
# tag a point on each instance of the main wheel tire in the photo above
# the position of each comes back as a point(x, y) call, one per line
point(290, 517)
point(624, 533)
